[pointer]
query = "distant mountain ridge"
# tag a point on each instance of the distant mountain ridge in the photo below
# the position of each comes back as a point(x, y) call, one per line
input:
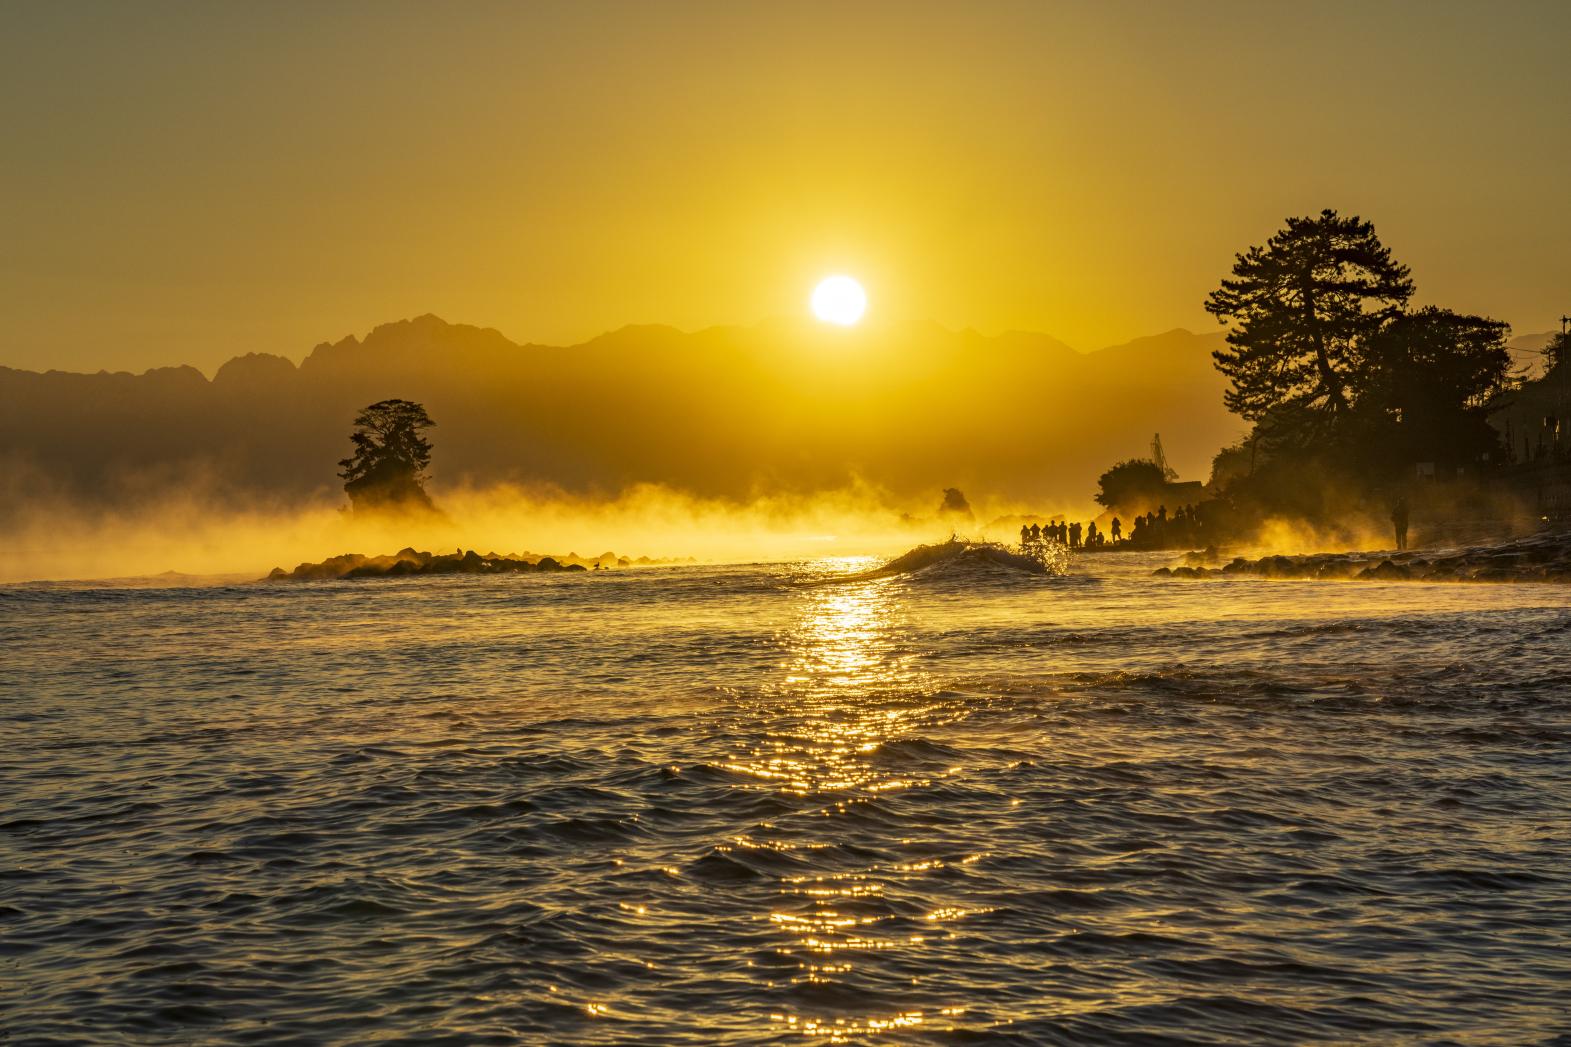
point(1527, 352)
point(726, 412)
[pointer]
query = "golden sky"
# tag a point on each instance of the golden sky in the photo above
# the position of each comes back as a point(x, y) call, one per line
point(185, 182)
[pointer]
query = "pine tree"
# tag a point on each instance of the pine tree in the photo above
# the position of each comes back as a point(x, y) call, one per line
point(388, 467)
point(1302, 308)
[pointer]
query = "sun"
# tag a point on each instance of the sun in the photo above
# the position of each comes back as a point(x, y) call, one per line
point(839, 300)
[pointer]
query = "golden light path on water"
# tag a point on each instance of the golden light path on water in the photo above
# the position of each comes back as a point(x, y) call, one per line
point(850, 685)
point(878, 910)
point(705, 805)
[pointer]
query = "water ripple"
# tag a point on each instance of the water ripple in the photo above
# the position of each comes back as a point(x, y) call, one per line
point(694, 806)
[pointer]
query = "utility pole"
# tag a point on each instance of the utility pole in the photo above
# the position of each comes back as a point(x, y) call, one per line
point(1563, 321)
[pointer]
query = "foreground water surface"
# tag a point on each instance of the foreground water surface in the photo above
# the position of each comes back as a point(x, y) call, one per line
point(708, 805)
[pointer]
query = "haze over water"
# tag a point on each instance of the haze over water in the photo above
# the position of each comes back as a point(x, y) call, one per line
point(691, 804)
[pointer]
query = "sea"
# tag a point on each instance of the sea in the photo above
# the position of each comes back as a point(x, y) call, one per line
point(762, 804)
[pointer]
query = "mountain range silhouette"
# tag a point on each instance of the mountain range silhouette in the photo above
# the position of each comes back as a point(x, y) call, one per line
point(724, 412)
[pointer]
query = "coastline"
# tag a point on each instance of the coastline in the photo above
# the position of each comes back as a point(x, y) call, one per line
point(1541, 557)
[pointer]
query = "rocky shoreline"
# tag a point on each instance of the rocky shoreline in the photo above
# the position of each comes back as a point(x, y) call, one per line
point(1542, 557)
point(409, 562)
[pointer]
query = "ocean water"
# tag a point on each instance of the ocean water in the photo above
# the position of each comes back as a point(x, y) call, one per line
point(705, 805)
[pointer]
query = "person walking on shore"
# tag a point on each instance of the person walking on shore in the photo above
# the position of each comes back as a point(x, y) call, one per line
point(1399, 522)
point(1117, 529)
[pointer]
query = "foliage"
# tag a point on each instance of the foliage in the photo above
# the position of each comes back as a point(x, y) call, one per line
point(1427, 380)
point(1131, 485)
point(1232, 463)
point(1346, 388)
point(387, 469)
point(1557, 351)
point(1437, 361)
point(1302, 308)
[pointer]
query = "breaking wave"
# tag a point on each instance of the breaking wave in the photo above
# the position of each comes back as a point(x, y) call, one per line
point(958, 556)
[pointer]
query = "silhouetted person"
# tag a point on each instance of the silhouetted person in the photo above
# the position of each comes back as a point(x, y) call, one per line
point(1399, 522)
point(1118, 529)
point(1025, 536)
point(1074, 535)
point(1092, 534)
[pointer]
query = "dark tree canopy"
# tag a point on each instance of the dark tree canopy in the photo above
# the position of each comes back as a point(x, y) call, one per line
point(1302, 307)
point(387, 469)
point(1437, 361)
point(1557, 351)
point(1233, 462)
point(1132, 485)
point(1432, 374)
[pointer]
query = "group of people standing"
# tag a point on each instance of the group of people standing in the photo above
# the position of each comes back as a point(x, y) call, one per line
point(1153, 530)
point(1190, 526)
point(1070, 535)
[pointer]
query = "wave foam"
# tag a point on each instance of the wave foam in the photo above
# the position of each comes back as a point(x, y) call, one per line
point(958, 554)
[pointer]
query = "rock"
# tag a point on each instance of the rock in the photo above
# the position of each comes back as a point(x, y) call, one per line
point(1543, 558)
point(409, 562)
point(1386, 570)
point(1277, 567)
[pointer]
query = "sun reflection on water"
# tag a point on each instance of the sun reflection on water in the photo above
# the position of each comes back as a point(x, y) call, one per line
point(850, 685)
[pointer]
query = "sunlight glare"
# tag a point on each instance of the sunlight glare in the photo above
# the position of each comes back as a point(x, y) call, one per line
point(839, 300)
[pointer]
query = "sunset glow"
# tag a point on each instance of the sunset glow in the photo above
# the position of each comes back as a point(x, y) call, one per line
point(839, 300)
point(727, 524)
